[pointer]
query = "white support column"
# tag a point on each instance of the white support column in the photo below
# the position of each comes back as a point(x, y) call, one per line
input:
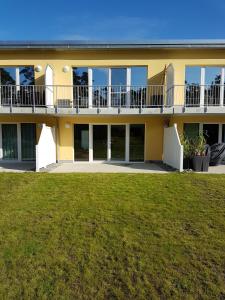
point(109, 87)
point(128, 87)
point(222, 86)
point(17, 79)
point(1, 152)
point(109, 143)
point(202, 89)
point(90, 142)
point(127, 154)
point(90, 84)
point(220, 133)
point(19, 141)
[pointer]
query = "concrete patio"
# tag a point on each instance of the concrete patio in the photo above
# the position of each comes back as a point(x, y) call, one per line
point(107, 168)
point(18, 167)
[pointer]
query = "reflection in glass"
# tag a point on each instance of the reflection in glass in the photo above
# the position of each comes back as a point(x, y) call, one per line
point(191, 130)
point(118, 133)
point(138, 86)
point(100, 86)
point(119, 86)
point(80, 89)
point(28, 141)
point(192, 82)
point(100, 142)
point(211, 132)
point(26, 75)
point(137, 141)
point(81, 142)
point(9, 141)
point(8, 76)
point(212, 88)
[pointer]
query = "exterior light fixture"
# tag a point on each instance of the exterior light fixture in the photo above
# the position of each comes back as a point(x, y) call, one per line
point(38, 68)
point(67, 125)
point(66, 69)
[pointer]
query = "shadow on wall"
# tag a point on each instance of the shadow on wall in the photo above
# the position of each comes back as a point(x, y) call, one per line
point(158, 79)
point(40, 80)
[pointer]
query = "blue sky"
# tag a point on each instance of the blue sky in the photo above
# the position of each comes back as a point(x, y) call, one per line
point(112, 20)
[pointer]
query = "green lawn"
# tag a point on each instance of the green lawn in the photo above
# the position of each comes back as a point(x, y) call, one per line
point(112, 236)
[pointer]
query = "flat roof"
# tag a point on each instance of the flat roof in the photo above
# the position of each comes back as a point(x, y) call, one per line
point(78, 44)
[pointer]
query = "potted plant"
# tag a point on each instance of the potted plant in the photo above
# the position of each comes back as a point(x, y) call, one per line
point(199, 151)
point(187, 148)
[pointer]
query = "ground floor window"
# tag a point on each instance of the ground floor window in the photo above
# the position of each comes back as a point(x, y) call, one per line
point(109, 142)
point(191, 129)
point(213, 133)
point(17, 141)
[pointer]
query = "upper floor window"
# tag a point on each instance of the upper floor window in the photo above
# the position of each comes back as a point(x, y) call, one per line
point(115, 76)
point(17, 75)
point(109, 86)
point(203, 85)
point(80, 76)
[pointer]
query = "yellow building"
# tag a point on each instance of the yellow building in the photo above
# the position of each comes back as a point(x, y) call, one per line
point(108, 101)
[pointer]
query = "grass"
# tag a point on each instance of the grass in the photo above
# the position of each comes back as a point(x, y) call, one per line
point(112, 236)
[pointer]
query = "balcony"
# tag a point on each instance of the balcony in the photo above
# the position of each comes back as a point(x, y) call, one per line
point(151, 99)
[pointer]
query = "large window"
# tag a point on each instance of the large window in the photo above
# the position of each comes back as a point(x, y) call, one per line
point(17, 86)
point(116, 86)
point(138, 86)
point(100, 82)
point(203, 85)
point(80, 89)
point(17, 75)
point(193, 82)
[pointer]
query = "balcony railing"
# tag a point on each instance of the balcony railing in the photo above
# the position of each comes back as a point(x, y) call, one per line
point(199, 95)
point(84, 97)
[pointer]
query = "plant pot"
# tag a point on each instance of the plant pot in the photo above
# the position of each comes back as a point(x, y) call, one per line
point(187, 163)
point(205, 164)
point(197, 163)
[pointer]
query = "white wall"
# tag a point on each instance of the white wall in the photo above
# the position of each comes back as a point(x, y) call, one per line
point(172, 148)
point(49, 99)
point(46, 148)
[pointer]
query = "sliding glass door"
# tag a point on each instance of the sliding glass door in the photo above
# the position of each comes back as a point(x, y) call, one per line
point(100, 145)
point(118, 142)
point(28, 141)
point(109, 142)
point(137, 142)
point(81, 142)
point(9, 142)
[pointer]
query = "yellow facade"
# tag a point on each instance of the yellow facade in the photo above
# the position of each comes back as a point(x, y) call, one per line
point(156, 61)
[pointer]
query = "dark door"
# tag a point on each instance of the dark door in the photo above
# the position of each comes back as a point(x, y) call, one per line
point(28, 141)
point(211, 132)
point(100, 142)
point(9, 141)
point(81, 142)
point(118, 133)
point(137, 142)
